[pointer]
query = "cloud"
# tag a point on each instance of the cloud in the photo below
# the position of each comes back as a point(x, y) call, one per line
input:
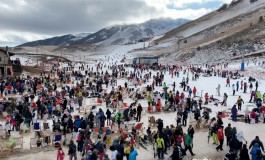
point(27, 20)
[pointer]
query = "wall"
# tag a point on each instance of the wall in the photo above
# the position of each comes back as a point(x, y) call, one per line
point(4, 58)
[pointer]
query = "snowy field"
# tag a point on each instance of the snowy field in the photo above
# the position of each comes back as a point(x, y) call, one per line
point(202, 148)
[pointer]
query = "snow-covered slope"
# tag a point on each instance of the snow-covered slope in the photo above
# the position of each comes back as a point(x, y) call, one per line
point(217, 36)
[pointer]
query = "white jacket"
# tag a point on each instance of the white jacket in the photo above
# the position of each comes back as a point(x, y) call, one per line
point(240, 136)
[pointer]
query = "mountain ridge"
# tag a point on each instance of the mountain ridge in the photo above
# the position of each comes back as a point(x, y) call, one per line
point(113, 35)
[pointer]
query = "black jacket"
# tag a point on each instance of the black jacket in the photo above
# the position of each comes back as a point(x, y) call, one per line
point(244, 154)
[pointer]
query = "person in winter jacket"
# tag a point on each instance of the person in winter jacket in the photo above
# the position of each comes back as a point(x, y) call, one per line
point(72, 150)
point(114, 153)
point(253, 116)
point(257, 140)
point(60, 154)
point(218, 89)
point(234, 89)
point(139, 112)
point(177, 153)
point(252, 95)
point(160, 146)
point(225, 99)
point(234, 144)
point(228, 134)
point(77, 123)
point(241, 138)
point(190, 92)
point(237, 85)
point(256, 152)
point(220, 135)
point(247, 112)
point(243, 155)
point(234, 113)
point(231, 155)
point(194, 91)
point(133, 154)
point(188, 144)
point(228, 82)
point(239, 103)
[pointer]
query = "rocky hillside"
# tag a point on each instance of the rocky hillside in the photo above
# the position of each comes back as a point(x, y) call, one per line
point(216, 37)
point(120, 34)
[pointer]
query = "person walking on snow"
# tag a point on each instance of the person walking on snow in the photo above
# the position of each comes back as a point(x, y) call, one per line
point(194, 91)
point(228, 133)
point(228, 82)
point(257, 85)
point(218, 89)
point(234, 90)
point(239, 103)
point(139, 112)
point(245, 87)
point(250, 87)
point(220, 135)
point(237, 85)
point(257, 140)
point(188, 144)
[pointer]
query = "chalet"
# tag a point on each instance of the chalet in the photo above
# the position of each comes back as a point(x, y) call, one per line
point(5, 63)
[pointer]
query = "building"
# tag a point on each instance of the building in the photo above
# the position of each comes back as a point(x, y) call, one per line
point(5, 63)
point(146, 60)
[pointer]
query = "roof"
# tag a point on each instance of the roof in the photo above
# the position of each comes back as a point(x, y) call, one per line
point(147, 57)
point(10, 54)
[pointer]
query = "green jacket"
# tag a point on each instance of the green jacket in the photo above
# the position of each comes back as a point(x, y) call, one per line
point(188, 141)
point(258, 95)
point(149, 98)
point(160, 143)
point(119, 116)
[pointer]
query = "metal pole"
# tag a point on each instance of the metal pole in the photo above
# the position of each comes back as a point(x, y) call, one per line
point(37, 57)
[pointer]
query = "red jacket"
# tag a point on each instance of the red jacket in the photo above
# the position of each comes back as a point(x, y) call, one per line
point(194, 90)
point(182, 96)
point(220, 134)
point(60, 155)
point(206, 96)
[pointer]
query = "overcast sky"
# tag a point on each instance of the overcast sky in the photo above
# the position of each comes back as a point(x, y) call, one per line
point(28, 20)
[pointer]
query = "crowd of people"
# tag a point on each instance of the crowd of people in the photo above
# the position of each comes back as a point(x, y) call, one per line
point(60, 95)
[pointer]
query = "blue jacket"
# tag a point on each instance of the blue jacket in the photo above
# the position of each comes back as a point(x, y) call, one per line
point(77, 123)
point(133, 155)
point(234, 110)
point(254, 153)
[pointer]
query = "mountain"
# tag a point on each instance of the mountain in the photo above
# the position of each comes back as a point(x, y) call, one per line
point(217, 37)
point(119, 34)
point(55, 41)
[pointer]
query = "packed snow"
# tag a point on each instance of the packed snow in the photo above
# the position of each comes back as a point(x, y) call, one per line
point(202, 148)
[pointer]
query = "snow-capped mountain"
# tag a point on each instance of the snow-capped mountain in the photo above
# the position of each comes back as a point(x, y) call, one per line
point(119, 34)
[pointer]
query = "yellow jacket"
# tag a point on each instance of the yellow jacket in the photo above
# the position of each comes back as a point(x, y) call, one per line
point(127, 150)
point(160, 143)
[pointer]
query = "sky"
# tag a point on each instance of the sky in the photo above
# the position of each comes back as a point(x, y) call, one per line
point(28, 20)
